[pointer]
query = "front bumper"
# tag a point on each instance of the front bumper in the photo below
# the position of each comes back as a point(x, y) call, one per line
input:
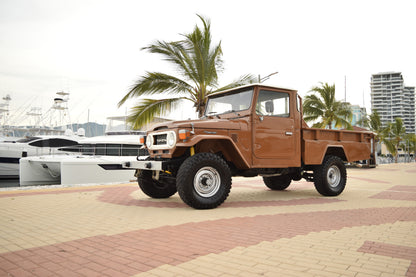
point(144, 165)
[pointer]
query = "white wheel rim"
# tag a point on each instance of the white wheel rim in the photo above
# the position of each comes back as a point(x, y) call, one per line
point(207, 181)
point(333, 176)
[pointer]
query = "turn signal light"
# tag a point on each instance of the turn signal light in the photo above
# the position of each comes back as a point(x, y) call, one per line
point(184, 134)
point(141, 140)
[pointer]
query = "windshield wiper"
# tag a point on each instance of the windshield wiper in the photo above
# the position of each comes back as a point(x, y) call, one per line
point(213, 114)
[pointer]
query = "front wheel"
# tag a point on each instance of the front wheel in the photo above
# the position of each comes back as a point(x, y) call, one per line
point(204, 181)
point(155, 188)
point(330, 177)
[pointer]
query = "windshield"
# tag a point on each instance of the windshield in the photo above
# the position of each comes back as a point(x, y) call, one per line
point(226, 103)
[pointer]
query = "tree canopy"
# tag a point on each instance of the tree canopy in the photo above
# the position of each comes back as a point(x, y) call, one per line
point(197, 62)
point(322, 106)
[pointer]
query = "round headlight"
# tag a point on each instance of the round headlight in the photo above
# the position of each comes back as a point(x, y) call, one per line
point(149, 141)
point(171, 139)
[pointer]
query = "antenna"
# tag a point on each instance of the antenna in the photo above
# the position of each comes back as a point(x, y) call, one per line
point(345, 86)
point(261, 80)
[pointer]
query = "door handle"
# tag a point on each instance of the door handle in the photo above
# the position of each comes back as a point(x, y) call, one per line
point(289, 133)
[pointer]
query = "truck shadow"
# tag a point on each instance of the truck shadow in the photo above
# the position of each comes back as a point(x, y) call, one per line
point(266, 197)
point(238, 198)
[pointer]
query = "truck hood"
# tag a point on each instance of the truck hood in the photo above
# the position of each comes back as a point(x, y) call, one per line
point(224, 124)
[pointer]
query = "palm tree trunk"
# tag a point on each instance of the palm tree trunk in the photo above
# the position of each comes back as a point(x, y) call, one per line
point(396, 158)
point(201, 112)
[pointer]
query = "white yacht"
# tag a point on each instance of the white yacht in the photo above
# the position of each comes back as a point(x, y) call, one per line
point(11, 152)
point(87, 163)
point(44, 134)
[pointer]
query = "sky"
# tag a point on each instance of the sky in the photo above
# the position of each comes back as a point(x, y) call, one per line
point(92, 48)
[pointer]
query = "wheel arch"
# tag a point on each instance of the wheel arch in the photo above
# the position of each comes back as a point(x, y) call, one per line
point(337, 151)
point(226, 147)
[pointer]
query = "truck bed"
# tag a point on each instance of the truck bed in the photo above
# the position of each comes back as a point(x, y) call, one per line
point(356, 145)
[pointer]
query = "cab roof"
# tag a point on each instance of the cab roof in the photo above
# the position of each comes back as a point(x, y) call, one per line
point(252, 85)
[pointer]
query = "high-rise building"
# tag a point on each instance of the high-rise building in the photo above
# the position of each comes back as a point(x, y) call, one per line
point(391, 98)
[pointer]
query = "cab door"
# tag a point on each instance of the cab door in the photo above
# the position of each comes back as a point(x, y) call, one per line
point(275, 140)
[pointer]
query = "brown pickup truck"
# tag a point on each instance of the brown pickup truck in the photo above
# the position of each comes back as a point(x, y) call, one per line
point(247, 131)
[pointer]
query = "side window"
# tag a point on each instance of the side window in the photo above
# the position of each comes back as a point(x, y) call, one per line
point(272, 103)
point(100, 149)
point(113, 149)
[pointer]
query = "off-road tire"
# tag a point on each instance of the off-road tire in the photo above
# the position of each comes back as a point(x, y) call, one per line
point(204, 181)
point(277, 182)
point(330, 177)
point(154, 188)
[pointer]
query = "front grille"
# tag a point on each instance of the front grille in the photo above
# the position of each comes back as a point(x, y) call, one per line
point(161, 139)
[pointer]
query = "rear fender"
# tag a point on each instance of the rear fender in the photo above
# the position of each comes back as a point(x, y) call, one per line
point(335, 151)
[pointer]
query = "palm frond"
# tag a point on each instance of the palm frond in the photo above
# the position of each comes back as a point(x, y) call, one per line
point(375, 122)
point(390, 147)
point(157, 83)
point(203, 58)
point(313, 101)
point(173, 52)
point(148, 109)
point(341, 122)
point(198, 63)
point(322, 104)
point(312, 111)
point(309, 118)
point(320, 125)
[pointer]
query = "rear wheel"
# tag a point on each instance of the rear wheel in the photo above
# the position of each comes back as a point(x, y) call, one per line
point(204, 181)
point(155, 188)
point(330, 178)
point(277, 182)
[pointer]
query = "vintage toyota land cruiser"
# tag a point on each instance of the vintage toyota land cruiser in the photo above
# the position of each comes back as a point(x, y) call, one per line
point(247, 131)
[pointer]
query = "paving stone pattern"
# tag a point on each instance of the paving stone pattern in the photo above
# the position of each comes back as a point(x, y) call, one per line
point(369, 230)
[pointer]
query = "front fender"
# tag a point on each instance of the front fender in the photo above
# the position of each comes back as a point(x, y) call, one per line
point(217, 143)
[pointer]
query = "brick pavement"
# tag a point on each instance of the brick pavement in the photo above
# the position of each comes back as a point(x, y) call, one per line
point(369, 230)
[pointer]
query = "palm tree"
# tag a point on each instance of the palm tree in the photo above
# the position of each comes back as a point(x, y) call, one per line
point(376, 126)
point(197, 63)
point(325, 107)
point(409, 143)
point(396, 132)
point(373, 122)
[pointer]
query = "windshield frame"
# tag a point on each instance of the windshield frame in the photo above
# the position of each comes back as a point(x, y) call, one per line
point(249, 90)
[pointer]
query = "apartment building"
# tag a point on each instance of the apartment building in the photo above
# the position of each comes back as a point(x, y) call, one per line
point(391, 98)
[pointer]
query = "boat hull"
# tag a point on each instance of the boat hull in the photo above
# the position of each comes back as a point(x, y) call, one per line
point(9, 171)
point(40, 170)
point(73, 170)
